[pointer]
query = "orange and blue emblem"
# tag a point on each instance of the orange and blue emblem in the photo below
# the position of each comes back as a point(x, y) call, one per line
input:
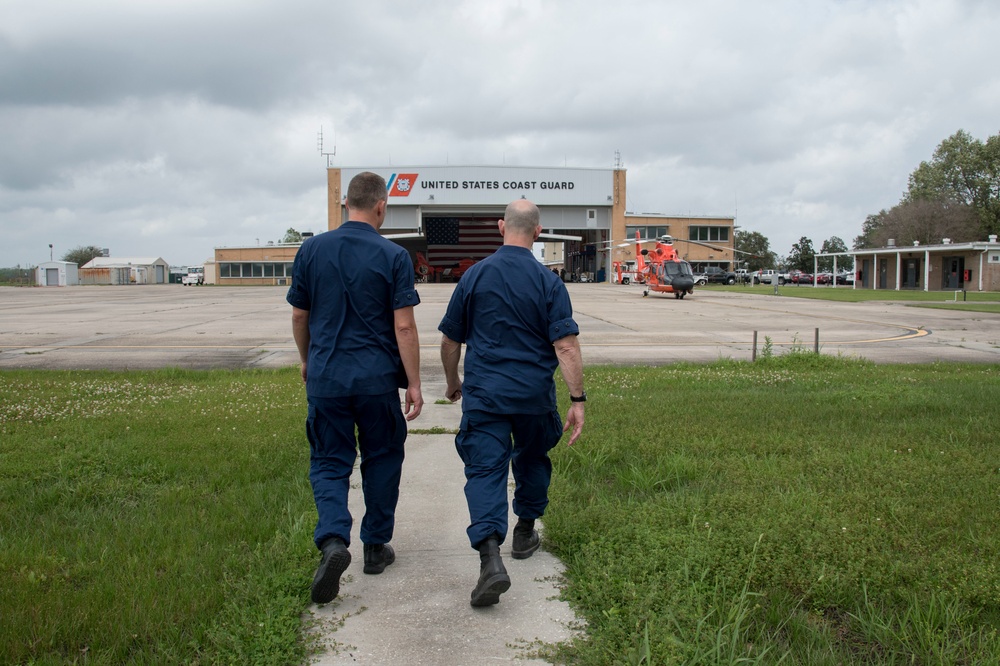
point(401, 184)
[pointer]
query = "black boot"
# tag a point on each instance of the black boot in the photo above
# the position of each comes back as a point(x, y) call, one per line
point(525, 539)
point(493, 578)
point(378, 557)
point(326, 583)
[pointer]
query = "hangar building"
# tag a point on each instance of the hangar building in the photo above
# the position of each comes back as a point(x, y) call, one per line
point(448, 214)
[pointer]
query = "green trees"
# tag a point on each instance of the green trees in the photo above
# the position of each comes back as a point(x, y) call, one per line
point(831, 244)
point(754, 250)
point(956, 194)
point(82, 254)
point(965, 171)
point(802, 255)
point(292, 236)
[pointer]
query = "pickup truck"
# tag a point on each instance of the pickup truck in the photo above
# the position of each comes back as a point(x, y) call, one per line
point(766, 276)
point(715, 274)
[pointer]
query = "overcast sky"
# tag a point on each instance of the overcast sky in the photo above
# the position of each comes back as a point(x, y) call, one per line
point(170, 127)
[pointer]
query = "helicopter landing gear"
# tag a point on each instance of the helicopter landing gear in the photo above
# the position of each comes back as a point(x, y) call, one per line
point(678, 294)
point(645, 293)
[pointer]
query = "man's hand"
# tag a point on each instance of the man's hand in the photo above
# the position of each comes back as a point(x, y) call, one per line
point(414, 402)
point(453, 392)
point(574, 420)
point(302, 369)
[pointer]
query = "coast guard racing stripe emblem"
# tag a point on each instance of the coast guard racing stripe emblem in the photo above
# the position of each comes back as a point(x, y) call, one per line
point(401, 184)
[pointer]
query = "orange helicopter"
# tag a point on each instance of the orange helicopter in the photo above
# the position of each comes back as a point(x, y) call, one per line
point(663, 271)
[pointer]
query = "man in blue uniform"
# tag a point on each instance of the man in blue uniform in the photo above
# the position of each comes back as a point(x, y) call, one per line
point(516, 320)
point(352, 299)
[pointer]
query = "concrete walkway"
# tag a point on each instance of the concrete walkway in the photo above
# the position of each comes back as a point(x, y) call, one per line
point(417, 611)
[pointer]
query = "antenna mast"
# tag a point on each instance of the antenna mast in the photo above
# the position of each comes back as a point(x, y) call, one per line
point(319, 145)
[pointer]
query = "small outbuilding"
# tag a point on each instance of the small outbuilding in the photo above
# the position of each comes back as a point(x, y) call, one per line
point(56, 274)
point(125, 270)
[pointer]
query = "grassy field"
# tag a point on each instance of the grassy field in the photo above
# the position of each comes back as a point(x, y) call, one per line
point(153, 518)
point(802, 510)
point(976, 301)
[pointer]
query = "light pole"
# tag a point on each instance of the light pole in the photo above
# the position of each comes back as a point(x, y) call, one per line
point(50, 251)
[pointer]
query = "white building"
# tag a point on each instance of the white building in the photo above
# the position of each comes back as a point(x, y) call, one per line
point(125, 270)
point(56, 274)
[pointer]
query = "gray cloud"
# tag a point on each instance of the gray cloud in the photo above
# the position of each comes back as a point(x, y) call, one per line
point(172, 127)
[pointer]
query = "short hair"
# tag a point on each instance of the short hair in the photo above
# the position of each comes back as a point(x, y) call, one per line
point(365, 191)
point(521, 217)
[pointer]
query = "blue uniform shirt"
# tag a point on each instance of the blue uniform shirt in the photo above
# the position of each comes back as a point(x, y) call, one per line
point(351, 280)
point(509, 309)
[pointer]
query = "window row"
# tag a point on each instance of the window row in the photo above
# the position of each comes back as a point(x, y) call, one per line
point(646, 233)
point(255, 269)
point(718, 234)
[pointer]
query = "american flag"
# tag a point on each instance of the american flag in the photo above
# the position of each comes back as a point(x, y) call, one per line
point(451, 239)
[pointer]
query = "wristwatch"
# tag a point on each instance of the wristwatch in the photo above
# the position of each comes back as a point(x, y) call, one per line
point(578, 398)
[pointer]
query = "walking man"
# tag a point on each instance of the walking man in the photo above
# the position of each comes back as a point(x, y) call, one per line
point(516, 320)
point(352, 299)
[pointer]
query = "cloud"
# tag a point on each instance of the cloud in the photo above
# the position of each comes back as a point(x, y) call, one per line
point(172, 127)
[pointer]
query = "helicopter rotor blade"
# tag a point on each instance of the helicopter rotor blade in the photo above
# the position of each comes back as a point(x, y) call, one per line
point(720, 248)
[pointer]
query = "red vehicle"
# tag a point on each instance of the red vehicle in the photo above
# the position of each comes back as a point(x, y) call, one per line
point(798, 277)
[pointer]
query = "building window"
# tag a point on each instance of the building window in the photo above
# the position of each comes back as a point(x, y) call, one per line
point(265, 270)
point(646, 232)
point(710, 234)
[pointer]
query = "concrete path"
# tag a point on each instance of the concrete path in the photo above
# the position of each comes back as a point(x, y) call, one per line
point(417, 611)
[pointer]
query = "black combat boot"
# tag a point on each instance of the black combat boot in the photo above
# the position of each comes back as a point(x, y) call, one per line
point(493, 578)
point(335, 560)
point(525, 539)
point(378, 557)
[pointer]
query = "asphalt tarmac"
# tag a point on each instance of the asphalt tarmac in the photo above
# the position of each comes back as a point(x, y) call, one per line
point(417, 611)
point(232, 327)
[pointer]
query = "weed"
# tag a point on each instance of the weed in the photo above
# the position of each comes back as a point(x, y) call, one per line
point(767, 351)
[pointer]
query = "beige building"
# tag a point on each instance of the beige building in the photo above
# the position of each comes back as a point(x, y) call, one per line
point(446, 217)
point(269, 264)
point(125, 270)
point(942, 267)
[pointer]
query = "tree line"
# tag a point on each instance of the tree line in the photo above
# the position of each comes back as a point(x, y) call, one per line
point(955, 195)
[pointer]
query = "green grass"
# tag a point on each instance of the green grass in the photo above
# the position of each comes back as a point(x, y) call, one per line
point(846, 294)
point(150, 518)
point(803, 510)
point(800, 510)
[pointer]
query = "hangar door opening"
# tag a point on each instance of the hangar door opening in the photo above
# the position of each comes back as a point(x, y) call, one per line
point(451, 243)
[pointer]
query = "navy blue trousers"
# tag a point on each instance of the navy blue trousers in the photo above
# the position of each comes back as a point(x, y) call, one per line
point(492, 444)
point(381, 432)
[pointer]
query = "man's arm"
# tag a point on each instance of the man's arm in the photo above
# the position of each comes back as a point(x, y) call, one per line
point(571, 366)
point(409, 352)
point(300, 331)
point(451, 351)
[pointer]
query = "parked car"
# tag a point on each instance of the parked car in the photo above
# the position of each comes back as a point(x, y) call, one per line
point(846, 277)
point(744, 276)
point(824, 278)
point(800, 277)
point(716, 275)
